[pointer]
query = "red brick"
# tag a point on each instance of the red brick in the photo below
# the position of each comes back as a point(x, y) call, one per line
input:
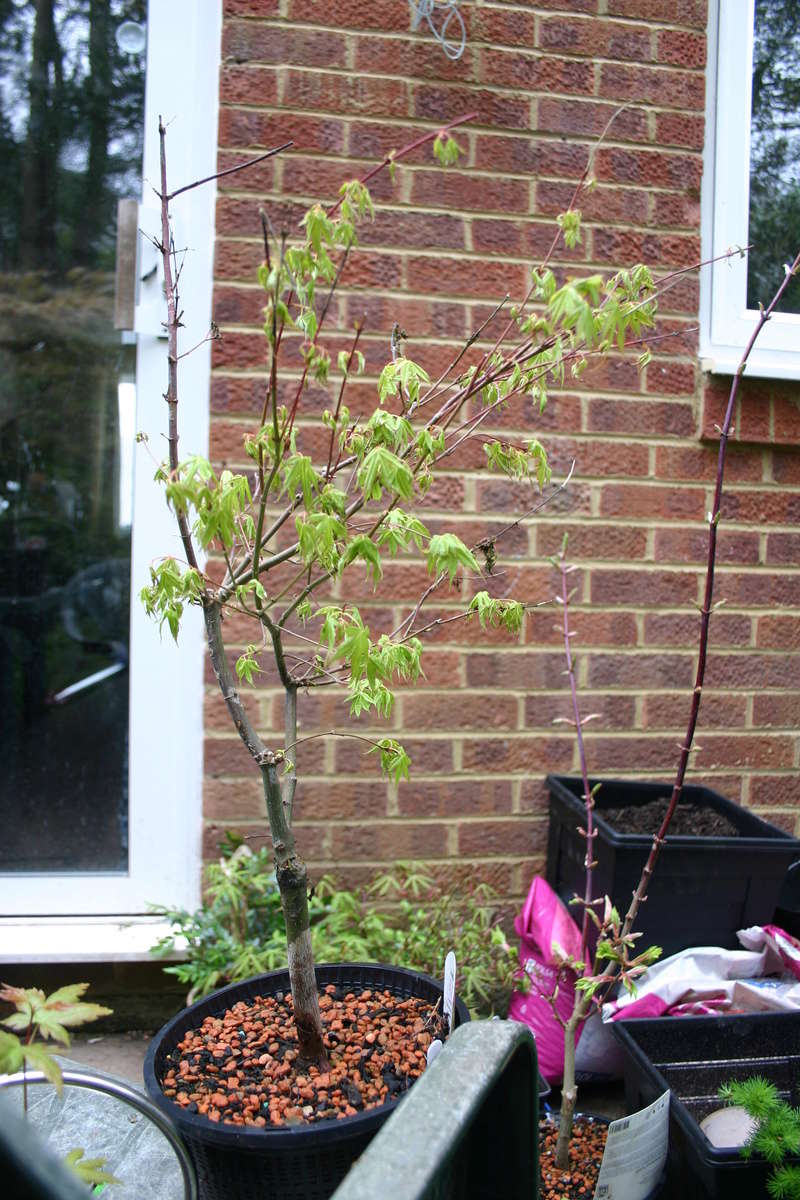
point(691, 545)
point(590, 627)
point(672, 378)
point(455, 189)
point(588, 118)
point(753, 671)
point(502, 755)
point(628, 753)
point(640, 500)
point(516, 836)
point(537, 73)
point(679, 12)
point(652, 85)
point(351, 14)
point(781, 710)
point(602, 39)
point(429, 756)
point(779, 633)
point(388, 841)
point(761, 506)
point(740, 750)
point(683, 629)
point(786, 419)
point(619, 246)
point(681, 48)
point(260, 43)
point(464, 277)
point(445, 711)
point(786, 467)
point(643, 588)
point(680, 129)
point(771, 790)
point(627, 205)
point(610, 710)
point(755, 588)
point(717, 711)
point(502, 26)
point(699, 463)
point(347, 95)
point(515, 670)
point(676, 209)
point(640, 670)
point(449, 798)
point(411, 59)
point(593, 541)
point(444, 103)
point(250, 8)
point(650, 167)
point(245, 85)
point(672, 418)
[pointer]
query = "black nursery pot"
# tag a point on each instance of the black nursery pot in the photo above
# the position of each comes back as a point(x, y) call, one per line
point(703, 889)
point(692, 1056)
point(298, 1162)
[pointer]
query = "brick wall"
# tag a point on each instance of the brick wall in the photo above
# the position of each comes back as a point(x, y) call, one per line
point(348, 82)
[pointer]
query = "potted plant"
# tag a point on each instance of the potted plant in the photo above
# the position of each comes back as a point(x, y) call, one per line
point(609, 955)
point(695, 1058)
point(296, 524)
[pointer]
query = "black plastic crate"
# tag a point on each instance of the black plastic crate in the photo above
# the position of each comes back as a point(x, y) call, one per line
point(703, 888)
point(692, 1056)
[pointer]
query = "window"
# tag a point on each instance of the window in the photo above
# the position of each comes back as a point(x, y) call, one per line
point(101, 720)
point(751, 187)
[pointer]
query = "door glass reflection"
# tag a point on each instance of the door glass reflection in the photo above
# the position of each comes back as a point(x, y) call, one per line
point(71, 119)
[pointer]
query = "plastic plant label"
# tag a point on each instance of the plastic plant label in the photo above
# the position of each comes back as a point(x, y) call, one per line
point(635, 1153)
point(434, 1050)
point(449, 989)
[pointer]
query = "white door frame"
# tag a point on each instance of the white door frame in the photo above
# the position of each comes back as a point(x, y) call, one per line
point(166, 682)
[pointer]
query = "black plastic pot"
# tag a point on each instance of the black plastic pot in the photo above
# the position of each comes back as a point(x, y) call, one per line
point(692, 1056)
point(703, 889)
point(299, 1162)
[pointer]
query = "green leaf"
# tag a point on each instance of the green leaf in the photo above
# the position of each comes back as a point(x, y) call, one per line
point(382, 470)
point(299, 476)
point(40, 1058)
point(89, 1170)
point(570, 225)
point(446, 552)
point(11, 1057)
point(399, 530)
point(446, 149)
point(395, 762)
point(364, 548)
point(508, 613)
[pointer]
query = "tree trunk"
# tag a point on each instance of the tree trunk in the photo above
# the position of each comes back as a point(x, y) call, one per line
point(290, 869)
point(42, 146)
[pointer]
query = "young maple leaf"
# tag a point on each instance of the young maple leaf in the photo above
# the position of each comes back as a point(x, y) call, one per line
point(50, 1014)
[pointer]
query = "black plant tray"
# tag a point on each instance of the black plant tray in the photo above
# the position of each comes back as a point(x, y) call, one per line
point(692, 1056)
point(703, 888)
point(299, 1162)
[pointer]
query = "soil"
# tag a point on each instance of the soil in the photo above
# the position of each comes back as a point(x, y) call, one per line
point(243, 1067)
point(697, 820)
point(585, 1156)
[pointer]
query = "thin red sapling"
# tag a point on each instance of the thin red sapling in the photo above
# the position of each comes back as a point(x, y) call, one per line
point(289, 528)
point(615, 959)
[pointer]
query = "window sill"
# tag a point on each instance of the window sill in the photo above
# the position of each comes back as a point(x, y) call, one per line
point(81, 939)
point(774, 364)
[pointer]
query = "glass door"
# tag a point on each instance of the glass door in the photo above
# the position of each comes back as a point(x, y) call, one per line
point(83, 83)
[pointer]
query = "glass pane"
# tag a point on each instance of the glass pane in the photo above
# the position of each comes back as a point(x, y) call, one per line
point(71, 119)
point(775, 152)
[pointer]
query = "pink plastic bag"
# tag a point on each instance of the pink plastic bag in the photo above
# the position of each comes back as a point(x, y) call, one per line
point(544, 920)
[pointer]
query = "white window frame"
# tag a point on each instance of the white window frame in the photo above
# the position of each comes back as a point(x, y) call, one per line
point(52, 916)
point(726, 323)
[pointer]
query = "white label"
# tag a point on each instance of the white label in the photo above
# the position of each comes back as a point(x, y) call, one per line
point(449, 989)
point(635, 1153)
point(434, 1049)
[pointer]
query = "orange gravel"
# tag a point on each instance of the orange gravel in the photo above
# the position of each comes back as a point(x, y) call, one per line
point(243, 1068)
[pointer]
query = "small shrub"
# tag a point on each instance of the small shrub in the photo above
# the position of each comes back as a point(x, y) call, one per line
point(777, 1133)
point(399, 918)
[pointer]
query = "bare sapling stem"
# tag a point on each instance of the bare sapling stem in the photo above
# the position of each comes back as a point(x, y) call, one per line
point(588, 798)
point(290, 869)
point(714, 516)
